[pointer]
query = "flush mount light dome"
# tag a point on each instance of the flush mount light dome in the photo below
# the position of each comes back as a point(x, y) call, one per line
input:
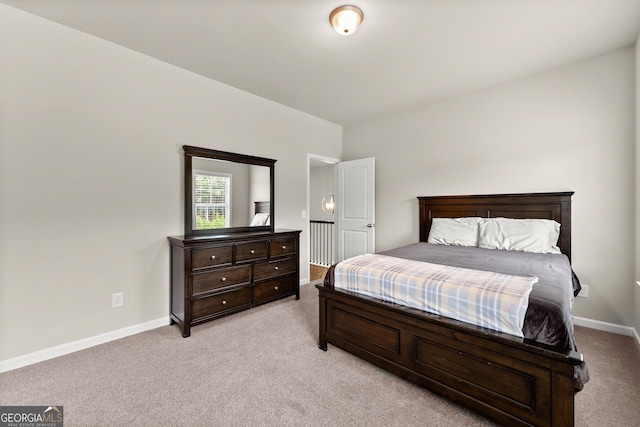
point(346, 19)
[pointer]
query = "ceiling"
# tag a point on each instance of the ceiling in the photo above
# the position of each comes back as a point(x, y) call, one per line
point(407, 53)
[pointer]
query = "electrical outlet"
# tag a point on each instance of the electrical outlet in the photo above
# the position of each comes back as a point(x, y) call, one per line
point(117, 300)
point(584, 292)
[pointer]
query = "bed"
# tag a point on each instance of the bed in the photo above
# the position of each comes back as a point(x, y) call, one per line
point(513, 380)
point(262, 214)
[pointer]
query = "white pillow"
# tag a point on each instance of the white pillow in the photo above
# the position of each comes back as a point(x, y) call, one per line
point(454, 231)
point(527, 235)
point(260, 219)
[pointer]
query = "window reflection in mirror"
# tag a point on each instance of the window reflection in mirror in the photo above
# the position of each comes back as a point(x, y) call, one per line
point(212, 199)
point(224, 194)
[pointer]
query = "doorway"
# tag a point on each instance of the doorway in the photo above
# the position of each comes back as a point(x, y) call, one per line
point(321, 241)
point(341, 211)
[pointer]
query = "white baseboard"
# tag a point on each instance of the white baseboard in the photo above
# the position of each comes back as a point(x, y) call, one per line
point(61, 350)
point(607, 327)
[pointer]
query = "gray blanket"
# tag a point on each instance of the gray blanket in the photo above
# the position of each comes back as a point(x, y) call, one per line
point(548, 319)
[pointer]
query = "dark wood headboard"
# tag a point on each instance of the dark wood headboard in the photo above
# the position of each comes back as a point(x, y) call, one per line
point(556, 206)
point(262, 207)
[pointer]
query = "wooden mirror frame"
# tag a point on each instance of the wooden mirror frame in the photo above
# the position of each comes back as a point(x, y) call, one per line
point(191, 152)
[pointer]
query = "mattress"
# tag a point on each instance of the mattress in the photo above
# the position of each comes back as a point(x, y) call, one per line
point(548, 318)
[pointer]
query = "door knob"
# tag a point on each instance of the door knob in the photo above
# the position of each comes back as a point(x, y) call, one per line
point(369, 225)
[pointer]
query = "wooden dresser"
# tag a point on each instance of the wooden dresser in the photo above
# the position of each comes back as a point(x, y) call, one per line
point(214, 276)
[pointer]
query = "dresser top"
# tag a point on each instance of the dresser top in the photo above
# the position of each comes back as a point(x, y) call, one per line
point(243, 235)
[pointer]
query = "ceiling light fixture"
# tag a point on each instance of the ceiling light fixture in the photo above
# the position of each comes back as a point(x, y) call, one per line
point(346, 19)
point(328, 204)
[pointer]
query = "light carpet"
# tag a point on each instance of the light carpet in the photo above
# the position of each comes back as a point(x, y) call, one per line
point(263, 367)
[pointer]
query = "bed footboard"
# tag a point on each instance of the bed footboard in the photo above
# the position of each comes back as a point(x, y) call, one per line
point(498, 376)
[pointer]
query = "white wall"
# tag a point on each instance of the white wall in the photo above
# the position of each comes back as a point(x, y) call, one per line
point(569, 129)
point(91, 176)
point(321, 184)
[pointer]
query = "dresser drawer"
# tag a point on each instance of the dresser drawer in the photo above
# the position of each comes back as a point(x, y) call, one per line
point(222, 302)
point(251, 251)
point(211, 280)
point(281, 247)
point(273, 289)
point(274, 268)
point(211, 257)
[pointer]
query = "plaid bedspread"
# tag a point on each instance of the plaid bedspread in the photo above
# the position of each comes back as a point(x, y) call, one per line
point(491, 300)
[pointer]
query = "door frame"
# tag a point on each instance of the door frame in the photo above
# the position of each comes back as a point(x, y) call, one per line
point(328, 161)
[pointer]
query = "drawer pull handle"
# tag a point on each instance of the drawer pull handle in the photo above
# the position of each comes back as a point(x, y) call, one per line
point(224, 279)
point(276, 267)
point(252, 251)
point(213, 257)
point(276, 288)
point(224, 302)
point(284, 246)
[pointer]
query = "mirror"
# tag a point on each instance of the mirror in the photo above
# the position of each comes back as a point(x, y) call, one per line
point(227, 192)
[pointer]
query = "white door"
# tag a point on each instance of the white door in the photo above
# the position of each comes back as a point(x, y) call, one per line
point(355, 207)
